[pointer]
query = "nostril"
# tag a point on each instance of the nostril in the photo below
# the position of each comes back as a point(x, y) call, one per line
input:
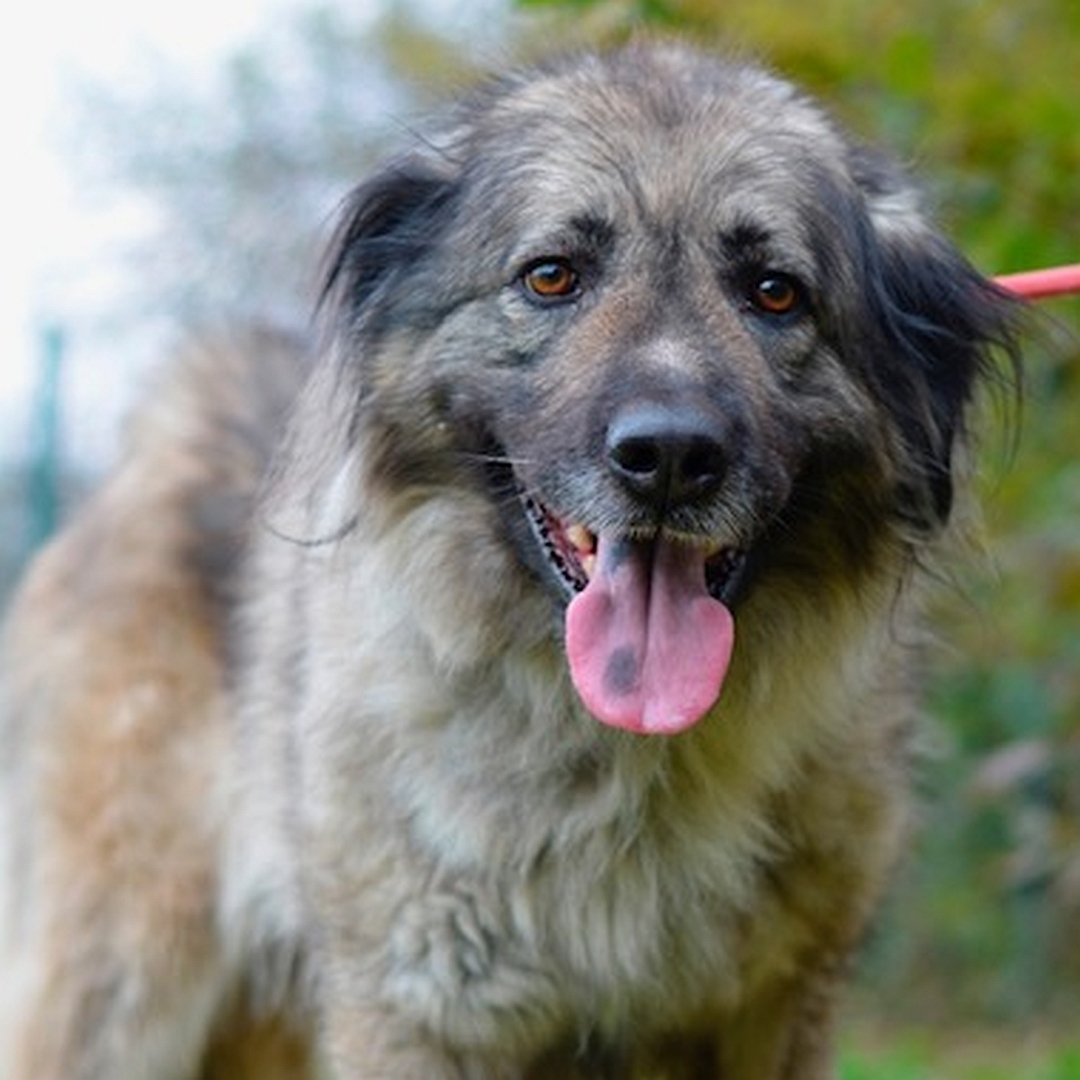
point(640, 457)
point(703, 461)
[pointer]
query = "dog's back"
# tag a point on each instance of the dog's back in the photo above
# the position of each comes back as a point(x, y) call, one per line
point(112, 727)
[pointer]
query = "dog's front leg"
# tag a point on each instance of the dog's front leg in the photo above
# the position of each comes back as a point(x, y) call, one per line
point(784, 1033)
point(377, 1045)
point(83, 1014)
point(442, 994)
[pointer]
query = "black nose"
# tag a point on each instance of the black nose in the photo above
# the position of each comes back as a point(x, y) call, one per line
point(667, 455)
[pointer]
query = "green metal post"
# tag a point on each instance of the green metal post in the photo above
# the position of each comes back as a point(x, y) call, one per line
point(44, 495)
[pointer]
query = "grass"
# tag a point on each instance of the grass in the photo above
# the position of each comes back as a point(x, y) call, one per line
point(963, 1056)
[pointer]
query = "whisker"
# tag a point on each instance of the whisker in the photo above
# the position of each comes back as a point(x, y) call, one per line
point(486, 458)
point(310, 541)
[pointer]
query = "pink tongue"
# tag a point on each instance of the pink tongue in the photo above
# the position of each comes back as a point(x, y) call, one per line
point(648, 646)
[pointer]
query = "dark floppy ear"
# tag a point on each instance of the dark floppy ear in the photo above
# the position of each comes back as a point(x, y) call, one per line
point(387, 225)
point(932, 325)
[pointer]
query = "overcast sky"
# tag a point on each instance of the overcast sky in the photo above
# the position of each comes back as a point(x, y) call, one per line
point(55, 242)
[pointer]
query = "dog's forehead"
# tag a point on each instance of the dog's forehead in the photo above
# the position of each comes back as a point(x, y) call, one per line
point(670, 140)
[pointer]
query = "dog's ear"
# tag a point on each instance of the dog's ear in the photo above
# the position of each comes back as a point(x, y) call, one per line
point(387, 224)
point(930, 326)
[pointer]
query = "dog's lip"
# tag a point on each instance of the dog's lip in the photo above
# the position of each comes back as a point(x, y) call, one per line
point(570, 550)
point(570, 547)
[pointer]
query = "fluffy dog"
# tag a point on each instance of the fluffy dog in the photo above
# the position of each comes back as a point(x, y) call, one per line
point(548, 713)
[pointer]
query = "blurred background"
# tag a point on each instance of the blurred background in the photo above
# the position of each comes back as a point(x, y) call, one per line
point(177, 169)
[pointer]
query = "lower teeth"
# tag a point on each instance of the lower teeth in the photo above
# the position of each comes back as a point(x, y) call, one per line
point(574, 565)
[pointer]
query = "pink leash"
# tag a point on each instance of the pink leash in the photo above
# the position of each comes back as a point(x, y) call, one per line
point(1039, 284)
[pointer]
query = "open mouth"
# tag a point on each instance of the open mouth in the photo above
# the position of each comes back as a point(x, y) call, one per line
point(571, 551)
point(649, 631)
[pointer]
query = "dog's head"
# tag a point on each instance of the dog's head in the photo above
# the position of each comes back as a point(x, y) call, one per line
point(696, 345)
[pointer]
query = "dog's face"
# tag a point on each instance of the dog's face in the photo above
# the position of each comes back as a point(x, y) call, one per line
point(696, 347)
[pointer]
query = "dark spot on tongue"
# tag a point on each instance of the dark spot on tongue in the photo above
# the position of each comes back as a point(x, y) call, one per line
point(622, 671)
point(648, 646)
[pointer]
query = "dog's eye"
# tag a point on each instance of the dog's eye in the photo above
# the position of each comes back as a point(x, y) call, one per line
point(776, 294)
point(551, 279)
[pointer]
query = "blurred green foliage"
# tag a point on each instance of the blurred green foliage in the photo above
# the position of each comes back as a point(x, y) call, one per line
point(905, 1068)
point(966, 1056)
point(982, 98)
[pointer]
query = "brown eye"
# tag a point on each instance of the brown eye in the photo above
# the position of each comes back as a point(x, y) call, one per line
point(776, 294)
point(551, 279)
